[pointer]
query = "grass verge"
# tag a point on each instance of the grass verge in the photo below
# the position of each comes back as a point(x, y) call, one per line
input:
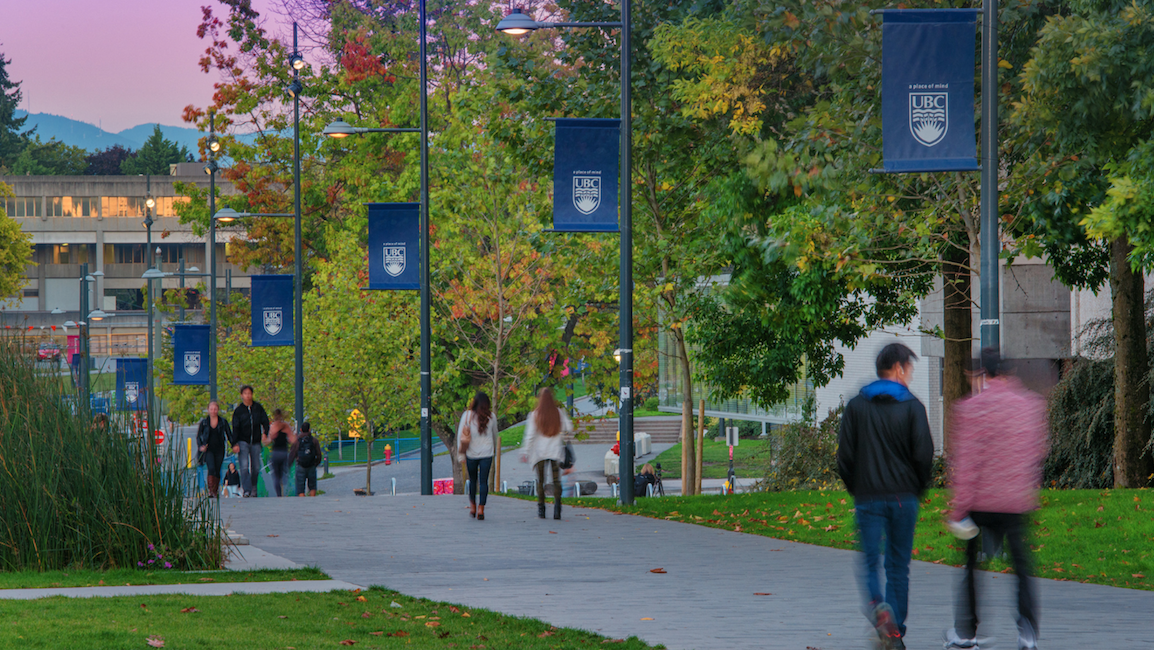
point(129, 577)
point(367, 619)
point(750, 458)
point(1097, 536)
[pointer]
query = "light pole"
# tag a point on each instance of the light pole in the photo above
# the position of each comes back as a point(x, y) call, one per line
point(210, 168)
point(518, 23)
point(95, 315)
point(296, 62)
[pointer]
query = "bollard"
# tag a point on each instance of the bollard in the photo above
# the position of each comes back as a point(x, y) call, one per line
point(394, 486)
point(466, 486)
point(649, 490)
point(325, 473)
point(504, 486)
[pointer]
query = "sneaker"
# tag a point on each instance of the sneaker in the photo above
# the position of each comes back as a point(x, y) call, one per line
point(1027, 637)
point(954, 641)
point(887, 630)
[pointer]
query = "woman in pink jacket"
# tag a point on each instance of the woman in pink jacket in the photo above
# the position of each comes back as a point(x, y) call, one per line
point(997, 447)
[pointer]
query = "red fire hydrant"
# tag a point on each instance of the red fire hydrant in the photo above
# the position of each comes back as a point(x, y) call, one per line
point(388, 454)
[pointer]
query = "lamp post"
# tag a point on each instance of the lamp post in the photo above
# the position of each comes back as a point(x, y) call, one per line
point(518, 23)
point(97, 315)
point(296, 62)
point(210, 168)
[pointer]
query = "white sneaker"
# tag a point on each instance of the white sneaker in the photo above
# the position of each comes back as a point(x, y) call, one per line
point(954, 641)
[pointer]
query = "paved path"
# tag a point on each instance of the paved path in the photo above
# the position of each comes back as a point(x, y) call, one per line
point(591, 571)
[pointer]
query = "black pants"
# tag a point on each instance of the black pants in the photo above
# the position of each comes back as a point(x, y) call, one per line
point(279, 461)
point(541, 465)
point(478, 469)
point(1013, 527)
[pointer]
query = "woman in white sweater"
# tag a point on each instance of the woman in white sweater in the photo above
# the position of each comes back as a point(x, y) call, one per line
point(475, 436)
point(544, 445)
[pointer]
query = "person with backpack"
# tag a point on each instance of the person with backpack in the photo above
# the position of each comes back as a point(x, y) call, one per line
point(885, 458)
point(249, 424)
point(279, 438)
point(475, 443)
point(307, 453)
point(544, 446)
point(999, 443)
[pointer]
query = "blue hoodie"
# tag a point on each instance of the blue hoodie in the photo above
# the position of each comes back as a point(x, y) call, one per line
point(893, 389)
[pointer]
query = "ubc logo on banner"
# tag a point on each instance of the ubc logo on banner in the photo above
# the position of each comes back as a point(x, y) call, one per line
point(131, 391)
point(395, 259)
point(394, 246)
point(131, 384)
point(272, 309)
point(928, 58)
point(586, 193)
point(586, 166)
point(190, 355)
point(929, 117)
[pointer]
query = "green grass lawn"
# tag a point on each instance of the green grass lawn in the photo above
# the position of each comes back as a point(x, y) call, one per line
point(367, 619)
point(1103, 537)
point(125, 577)
point(408, 441)
point(750, 459)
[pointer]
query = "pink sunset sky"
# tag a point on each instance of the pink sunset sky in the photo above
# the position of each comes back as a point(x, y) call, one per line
point(114, 63)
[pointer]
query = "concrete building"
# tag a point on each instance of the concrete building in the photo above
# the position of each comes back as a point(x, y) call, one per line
point(99, 220)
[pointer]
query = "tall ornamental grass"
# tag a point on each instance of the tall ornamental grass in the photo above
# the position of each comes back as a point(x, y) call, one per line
point(77, 495)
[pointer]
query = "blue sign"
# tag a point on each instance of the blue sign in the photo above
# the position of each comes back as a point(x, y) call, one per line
point(190, 355)
point(132, 384)
point(586, 168)
point(394, 246)
point(928, 90)
point(272, 310)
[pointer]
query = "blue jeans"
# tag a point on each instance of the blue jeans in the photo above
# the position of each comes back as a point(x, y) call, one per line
point(250, 464)
point(895, 517)
point(478, 469)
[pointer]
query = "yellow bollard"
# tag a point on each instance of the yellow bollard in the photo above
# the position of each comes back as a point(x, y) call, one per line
point(189, 465)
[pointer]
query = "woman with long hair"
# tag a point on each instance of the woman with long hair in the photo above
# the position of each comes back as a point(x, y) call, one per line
point(544, 445)
point(279, 438)
point(476, 435)
point(211, 436)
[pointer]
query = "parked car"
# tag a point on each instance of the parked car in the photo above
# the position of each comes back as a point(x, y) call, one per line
point(48, 352)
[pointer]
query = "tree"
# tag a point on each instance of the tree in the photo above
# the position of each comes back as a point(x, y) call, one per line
point(1087, 109)
point(15, 250)
point(154, 156)
point(107, 162)
point(52, 158)
point(12, 141)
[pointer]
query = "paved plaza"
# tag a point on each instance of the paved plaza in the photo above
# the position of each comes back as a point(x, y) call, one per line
point(592, 571)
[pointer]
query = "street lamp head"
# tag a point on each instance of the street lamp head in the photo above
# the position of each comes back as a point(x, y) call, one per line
point(149, 201)
point(226, 215)
point(213, 144)
point(153, 274)
point(98, 274)
point(57, 310)
point(98, 314)
point(294, 89)
point(70, 323)
point(211, 167)
point(517, 23)
point(617, 355)
point(195, 269)
point(297, 61)
point(339, 129)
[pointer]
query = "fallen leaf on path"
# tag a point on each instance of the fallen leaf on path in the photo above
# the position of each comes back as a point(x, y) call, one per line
point(348, 642)
point(454, 609)
point(612, 641)
point(189, 610)
point(399, 633)
point(143, 606)
point(366, 615)
point(1137, 575)
point(544, 634)
point(552, 532)
point(376, 633)
point(466, 615)
point(658, 570)
point(647, 619)
point(282, 617)
point(432, 624)
point(207, 580)
point(762, 593)
point(272, 535)
point(155, 641)
point(361, 598)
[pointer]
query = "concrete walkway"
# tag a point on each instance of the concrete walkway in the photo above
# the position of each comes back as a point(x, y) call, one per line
point(592, 570)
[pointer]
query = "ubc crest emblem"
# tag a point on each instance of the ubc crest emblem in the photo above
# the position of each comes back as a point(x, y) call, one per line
point(192, 363)
point(586, 193)
point(394, 259)
point(131, 391)
point(273, 320)
point(929, 117)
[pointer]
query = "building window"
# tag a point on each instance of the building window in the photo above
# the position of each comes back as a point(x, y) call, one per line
point(128, 254)
point(166, 205)
point(32, 293)
point(72, 254)
point(127, 299)
point(122, 206)
point(67, 206)
point(169, 253)
point(22, 206)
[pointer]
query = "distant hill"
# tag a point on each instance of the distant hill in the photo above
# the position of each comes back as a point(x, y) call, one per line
point(90, 137)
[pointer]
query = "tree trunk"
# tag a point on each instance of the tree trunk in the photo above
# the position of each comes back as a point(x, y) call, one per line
point(686, 440)
point(957, 327)
point(1131, 388)
point(690, 477)
point(448, 436)
point(369, 459)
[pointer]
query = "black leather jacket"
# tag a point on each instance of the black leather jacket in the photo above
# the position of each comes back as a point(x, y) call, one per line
point(202, 433)
point(249, 423)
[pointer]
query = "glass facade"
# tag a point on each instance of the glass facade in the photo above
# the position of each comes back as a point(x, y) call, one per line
point(22, 206)
point(66, 253)
point(67, 206)
point(122, 206)
point(166, 205)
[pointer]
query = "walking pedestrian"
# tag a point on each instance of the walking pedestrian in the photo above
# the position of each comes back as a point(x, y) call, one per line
point(280, 437)
point(249, 425)
point(475, 435)
point(211, 436)
point(999, 443)
point(232, 481)
point(307, 453)
point(544, 446)
point(885, 457)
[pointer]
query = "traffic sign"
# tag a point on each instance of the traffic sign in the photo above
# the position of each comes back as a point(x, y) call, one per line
point(158, 437)
point(731, 438)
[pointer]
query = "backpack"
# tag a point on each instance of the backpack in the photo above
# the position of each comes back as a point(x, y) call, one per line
point(307, 453)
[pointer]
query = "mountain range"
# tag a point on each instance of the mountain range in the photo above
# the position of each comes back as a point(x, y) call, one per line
point(90, 137)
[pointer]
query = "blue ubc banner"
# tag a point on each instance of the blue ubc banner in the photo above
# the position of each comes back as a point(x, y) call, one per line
point(132, 384)
point(928, 90)
point(190, 355)
point(272, 310)
point(586, 168)
point(394, 246)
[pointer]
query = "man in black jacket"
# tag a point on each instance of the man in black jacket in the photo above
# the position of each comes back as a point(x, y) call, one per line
point(885, 457)
point(249, 424)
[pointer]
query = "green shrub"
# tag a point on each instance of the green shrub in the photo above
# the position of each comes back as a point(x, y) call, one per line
point(77, 495)
point(651, 404)
point(805, 455)
point(1082, 427)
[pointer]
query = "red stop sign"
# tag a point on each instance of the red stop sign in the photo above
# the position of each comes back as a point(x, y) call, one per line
point(158, 437)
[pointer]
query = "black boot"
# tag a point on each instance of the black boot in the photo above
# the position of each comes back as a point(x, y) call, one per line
point(541, 510)
point(556, 509)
